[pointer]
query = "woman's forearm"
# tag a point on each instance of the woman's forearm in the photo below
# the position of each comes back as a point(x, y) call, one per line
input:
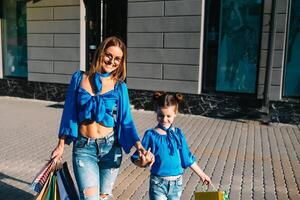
point(138, 145)
point(61, 142)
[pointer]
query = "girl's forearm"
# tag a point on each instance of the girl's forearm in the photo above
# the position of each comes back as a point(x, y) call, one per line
point(197, 169)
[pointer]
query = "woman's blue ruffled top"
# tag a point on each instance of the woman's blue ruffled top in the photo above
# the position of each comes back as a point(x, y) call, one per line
point(81, 105)
point(98, 107)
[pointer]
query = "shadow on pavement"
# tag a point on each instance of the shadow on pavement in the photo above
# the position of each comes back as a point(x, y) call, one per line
point(9, 192)
point(56, 105)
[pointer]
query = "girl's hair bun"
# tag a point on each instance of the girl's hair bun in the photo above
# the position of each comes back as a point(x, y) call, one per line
point(179, 97)
point(157, 95)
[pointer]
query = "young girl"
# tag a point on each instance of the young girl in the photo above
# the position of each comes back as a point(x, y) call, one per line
point(171, 151)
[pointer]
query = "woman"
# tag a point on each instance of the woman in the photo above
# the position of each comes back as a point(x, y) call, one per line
point(97, 118)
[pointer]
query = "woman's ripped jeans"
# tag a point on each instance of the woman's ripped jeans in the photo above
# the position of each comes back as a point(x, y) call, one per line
point(96, 164)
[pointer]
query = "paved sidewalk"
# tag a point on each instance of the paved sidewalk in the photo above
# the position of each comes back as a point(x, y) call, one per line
point(249, 160)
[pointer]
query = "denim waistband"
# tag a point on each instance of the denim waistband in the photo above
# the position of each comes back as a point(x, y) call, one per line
point(88, 140)
point(166, 179)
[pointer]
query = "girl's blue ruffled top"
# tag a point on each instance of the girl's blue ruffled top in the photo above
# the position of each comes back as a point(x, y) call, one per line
point(80, 105)
point(171, 151)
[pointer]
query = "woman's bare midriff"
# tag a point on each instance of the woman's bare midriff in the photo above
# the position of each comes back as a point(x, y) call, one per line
point(94, 130)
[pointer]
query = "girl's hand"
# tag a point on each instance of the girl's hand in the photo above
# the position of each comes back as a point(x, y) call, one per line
point(205, 179)
point(57, 153)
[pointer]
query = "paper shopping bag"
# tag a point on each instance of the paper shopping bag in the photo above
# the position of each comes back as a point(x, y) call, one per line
point(211, 196)
point(51, 192)
point(66, 184)
point(42, 176)
point(42, 195)
point(63, 194)
point(46, 182)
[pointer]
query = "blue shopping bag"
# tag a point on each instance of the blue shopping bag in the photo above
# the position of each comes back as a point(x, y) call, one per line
point(66, 185)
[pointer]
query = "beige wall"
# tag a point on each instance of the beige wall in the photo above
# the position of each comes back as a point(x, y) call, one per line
point(53, 28)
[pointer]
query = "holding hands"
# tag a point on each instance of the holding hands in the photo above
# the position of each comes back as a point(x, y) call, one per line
point(146, 158)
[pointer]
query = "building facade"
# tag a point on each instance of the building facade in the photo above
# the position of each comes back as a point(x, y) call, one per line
point(211, 50)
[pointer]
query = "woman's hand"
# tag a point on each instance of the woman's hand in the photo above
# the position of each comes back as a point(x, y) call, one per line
point(57, 153)
point(59, 150)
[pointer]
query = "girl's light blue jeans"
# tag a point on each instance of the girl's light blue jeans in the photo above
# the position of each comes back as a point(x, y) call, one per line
point(162, 189)
point(96, 164)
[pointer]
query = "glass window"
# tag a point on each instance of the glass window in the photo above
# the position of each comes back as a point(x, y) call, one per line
point(232, 41)
point(14, 39)
point(292, 67)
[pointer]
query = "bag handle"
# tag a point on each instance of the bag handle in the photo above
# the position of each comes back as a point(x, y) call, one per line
point(58, 165)
point(213, 187)
point(55, 165)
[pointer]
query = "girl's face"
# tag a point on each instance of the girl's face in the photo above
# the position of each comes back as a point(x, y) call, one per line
point(166, 116)
point(112, 58)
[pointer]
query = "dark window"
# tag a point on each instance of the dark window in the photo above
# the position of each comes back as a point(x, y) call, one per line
point(14, 38)
point(104, 18)
point(292, 62)
point(231, 47)
point(115, 19)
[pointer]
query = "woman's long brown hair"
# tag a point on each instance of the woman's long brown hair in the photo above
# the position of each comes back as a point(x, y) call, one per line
point(120, 73)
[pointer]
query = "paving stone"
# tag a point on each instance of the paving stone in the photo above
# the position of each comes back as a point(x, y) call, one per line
point(249, 160)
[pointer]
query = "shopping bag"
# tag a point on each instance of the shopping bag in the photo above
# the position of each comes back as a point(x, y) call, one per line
point(42, 195)
point(42, 176)
point(66, 184)
point(63, 195)
point(217, 195)
point(54, 182)
point(50, 188)
point(53, 192)
point(213, 195)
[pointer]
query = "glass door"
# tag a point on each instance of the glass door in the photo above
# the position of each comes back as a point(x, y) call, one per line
point(14, 38)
